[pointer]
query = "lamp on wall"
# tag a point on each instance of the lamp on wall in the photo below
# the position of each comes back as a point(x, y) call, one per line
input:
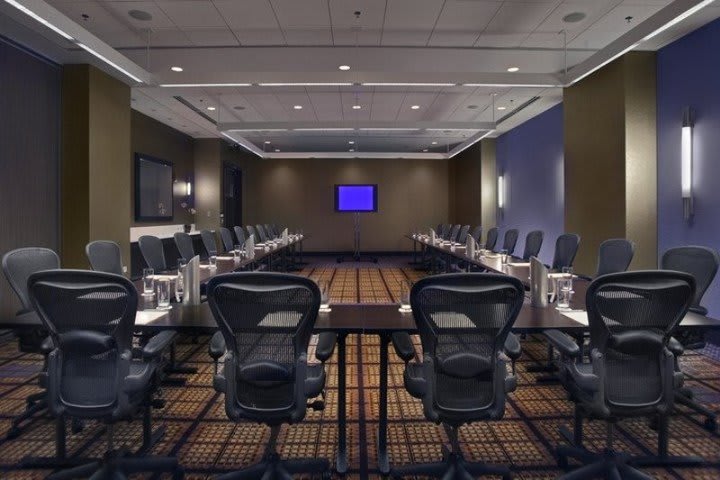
point(687, 164)
point(188, 188)
point(501, 192)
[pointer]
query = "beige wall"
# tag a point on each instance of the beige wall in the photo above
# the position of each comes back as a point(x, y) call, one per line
point(488, 186)
point(150, 137)
point(465, 187)
point(300, 193)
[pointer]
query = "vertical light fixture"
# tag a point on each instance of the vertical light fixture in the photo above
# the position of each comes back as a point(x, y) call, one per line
point(188, 188)
point(687, 164)
point(501, 192)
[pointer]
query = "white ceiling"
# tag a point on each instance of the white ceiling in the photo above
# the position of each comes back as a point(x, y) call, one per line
point(407, 41)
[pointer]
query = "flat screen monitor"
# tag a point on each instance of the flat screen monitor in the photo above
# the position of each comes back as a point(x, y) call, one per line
point(153, 188)
point(356, 198)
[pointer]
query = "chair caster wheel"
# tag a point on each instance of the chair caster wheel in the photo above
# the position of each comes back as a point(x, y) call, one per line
point(710, 424)
point(14, 432)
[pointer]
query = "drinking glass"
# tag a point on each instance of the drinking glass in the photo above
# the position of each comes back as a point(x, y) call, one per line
point(504, 256)
point(179, 287)
point(564, 291)
point(163, 294)
point(405, 296)
point(213, 261)
point(181, 265)
point(324, 295)
point(568, 275)
point(148, 281)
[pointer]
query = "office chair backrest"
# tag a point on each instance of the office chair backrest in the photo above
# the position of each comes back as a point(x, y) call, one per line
point(631, 315)
point(105, 256)
point(208, 239)
point(18, 265)
point(227, 239)
point(240, 235)
point(533, 244)
point(261, 233)
point(269, 231)
point(267, 321)
point(445, 231)
point(251, 231)
point(184, 244)
point(477, 234)
point(566, 247)
point(614, 256)
point(90, 317)
point(463, 321)
point(700, 262)
point(153, 252)
point(454, 231)
point(462, 236)
point(510, 241)
point(491, 240)
point(438, 230)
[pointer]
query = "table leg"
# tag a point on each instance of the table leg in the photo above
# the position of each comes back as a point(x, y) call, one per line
point(341, 465)
point(382, 453)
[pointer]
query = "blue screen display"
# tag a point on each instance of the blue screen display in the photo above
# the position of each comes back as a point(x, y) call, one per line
point(355, 198)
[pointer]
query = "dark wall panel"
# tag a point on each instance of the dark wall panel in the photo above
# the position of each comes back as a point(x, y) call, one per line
point(29, 155)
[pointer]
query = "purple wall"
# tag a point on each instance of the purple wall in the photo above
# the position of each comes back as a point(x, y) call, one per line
point(531, 158)
point(688, 75)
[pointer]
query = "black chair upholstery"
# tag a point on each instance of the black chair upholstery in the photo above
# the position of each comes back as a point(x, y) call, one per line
point(566, 247)
point(477, 234)
point(445, 231)
point(105, 256)
point(266, 320)
point(269, 231)
point(252, 232)
point(153, 253)
point(463, 321)
point(18, 265)
point(702, 263)
point(184, 244)
point(91, 372)
point(454, 232)
point(239, 235)
point(510, 241)
point(631, 316)
point(491, 240)
point(227, 239)
point(462, 236)
point(533, 244)
point(614, 256)
point(208, 239)
point(261, 232)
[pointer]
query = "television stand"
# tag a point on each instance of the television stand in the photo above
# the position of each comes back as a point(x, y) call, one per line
point(357, 256)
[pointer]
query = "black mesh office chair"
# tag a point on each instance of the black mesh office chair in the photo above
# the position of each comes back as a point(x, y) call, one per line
point(438, 229)
point(454, 231)
point(227, 239)
point(566, 247)
point(184, 244)
point(266, 321)
point(477, 234)
point(153, 253)
point(462, 236)
point(463, 321)
point(17, 266)
point(702, 263)
point(239, 235)
point(261, 233)
point(533, 244)
point(510, 241)
point(91, 373)
point(105, 256)
point(445, 231)
point(491, 239)
point(614, 256)
point(631, 374)
point(269, 231)
point(252, 232)
point(208, 239)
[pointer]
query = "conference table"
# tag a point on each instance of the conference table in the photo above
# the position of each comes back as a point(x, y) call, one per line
point(376, 319)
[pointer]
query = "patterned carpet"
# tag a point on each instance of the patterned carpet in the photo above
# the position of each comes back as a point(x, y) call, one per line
point(206, 443)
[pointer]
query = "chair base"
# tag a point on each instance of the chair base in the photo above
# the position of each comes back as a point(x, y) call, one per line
point(607, 464)
point(684, 396)
point(274, 468)
point(36, 405)
point(455, 467)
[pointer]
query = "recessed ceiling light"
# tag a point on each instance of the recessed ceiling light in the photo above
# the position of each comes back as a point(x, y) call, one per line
point(501, 108)
point(351, 150)
point(239, 107)
point(574, 17)
point(415, 107)
point(298, 107)
point(176, 69)
point(434, 143)
point(140, 15)
point(472, 107)
point(267, 142)
point(513, 69)
point(425, 149)
point(352, 142)
point(344, 68)
point(277, 149)
point(356, 107)
point(211, 108)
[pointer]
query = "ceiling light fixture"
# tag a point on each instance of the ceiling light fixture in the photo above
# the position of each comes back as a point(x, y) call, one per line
point(351, 142)
point(257, 130)
point(320, 129)
point(351, 150)
point(356, 107)
point(425, 149)
point(176, 69)
point(306, 84)
point(433, 143)
point(212, 109)
point(502, 108)
point(112, 64)
point(514, 85)
point(389, 129)
point(267, 142)
point(203, 85)
point(385, 84)
point(297, 107)
point(35, 16)
point(574, 17)
point(344, 68)
point(415, 107)
point(513, 69)
point(277, 150)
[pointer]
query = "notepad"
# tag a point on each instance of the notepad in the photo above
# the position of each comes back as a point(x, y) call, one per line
point(521, 264)
point(579, 316)
point(145, 317)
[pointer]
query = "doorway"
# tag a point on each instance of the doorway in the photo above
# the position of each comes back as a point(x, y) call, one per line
point(232, 196)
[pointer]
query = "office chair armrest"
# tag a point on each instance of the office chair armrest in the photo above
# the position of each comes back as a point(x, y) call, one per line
point(589, 382)
point(47, 346)
point(325, 346)
point(564, 344)
point(158, 344)
point(512, 347)
point(675, 347)
point(217, 347)
point(403, 346)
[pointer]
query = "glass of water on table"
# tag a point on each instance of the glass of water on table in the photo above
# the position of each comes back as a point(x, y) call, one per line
point(565, 288)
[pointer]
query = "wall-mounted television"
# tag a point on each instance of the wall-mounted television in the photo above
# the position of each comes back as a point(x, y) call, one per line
point(153, 189)
point(356, 198)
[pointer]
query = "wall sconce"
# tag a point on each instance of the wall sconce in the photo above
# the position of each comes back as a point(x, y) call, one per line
point(188, 188)
point(501, 191)
point(687, 164)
